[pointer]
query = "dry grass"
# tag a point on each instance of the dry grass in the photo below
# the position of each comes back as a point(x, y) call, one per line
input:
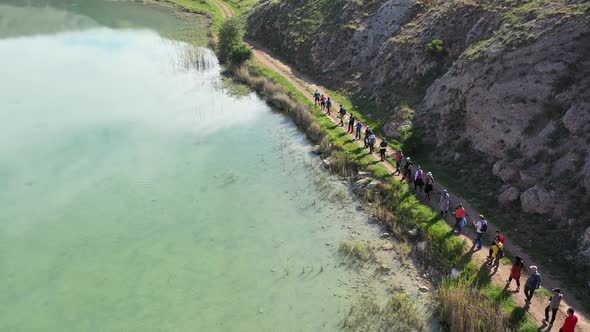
point(277, 96)
point(466, 309)
point(357, 251)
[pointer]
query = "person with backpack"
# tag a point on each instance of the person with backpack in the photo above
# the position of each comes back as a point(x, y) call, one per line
point(532, 283)
point(368, 132)
point(497, 254)
point(459, 215)
point(351, 124)
point(322, 102)
point(444, 202)
point(419, 178)
point(554, 302)
point(372, 139)
point(316, 97)
point(359, 127)
point(382, 149)
point(515, 272)
point(498, 238)
point(481, 226)
point(569, 325)
point(341, 114)
point(429, 184)
point(398, 156)
point(408, 170)
point(328, 105)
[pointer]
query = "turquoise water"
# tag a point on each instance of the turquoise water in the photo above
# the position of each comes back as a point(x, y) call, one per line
point(140, 194)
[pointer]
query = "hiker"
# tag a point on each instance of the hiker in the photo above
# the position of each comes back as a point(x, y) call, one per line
point(408, 170)
point(329, 105)
point(419, 178)
point(382, 148)
point(498, 238)
point(341, 114)
point(316, 97)
point(569, 325)
point(515, 272)
point(481, 226)
point(372, 139)
point(351, 124)
point(532, 283)
point(445, 202)
point(429, 184)
point(497, 254)
point(554, 302)
point(359, 127)
point(368, 132)
point(399, 156)
point(459, 214)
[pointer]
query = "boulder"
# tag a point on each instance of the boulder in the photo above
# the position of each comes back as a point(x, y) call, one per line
point(423, 288)
point(576, 119)
point(509, 196)
point(317, 150)
point(584, 243)
point(527, 179)
point(387, 246)
point(538, 200)
point(455, 272)
point(505, 171)
point(327, 162)
point(421, 246)
point(361, 184)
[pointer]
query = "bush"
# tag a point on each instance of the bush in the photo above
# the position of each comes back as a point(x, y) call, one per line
point(240, 54)
point(436, 47)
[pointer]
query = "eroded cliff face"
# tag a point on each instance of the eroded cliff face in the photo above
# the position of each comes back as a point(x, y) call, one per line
point(511, 85)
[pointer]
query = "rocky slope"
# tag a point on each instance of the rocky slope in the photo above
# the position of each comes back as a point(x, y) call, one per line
point(500, 89)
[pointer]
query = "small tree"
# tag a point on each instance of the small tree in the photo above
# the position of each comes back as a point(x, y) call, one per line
point(231, 45)
point(231, 34)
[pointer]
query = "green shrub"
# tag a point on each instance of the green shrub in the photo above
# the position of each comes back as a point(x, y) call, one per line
point(240, 54)
point(436, 47)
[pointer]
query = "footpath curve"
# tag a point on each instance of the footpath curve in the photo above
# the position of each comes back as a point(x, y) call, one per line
point(538, 304)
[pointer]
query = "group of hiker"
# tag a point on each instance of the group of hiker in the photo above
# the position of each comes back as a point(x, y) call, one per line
point(424, 182)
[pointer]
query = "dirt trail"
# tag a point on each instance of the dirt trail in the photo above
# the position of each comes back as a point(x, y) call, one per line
point(538, 304)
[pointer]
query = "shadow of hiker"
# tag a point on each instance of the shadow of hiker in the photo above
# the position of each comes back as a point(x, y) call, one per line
point(483, 276)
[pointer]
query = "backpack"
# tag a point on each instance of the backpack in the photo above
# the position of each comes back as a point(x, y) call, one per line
point(463, 222)
point(484, 227)
point(372, 139)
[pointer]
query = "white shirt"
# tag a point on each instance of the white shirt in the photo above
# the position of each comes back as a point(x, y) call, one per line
point(479, 225)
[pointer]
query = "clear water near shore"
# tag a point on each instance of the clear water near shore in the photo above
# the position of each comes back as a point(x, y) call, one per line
point(139, 194)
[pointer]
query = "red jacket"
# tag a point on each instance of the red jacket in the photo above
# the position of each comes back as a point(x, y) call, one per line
point(501, 238)
point(516, 271)
point(570, 323)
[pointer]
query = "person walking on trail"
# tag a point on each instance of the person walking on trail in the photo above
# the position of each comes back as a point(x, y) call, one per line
point(382, 149)
point(444, 202)
point(532, 283)
point(428, 185)
point(459, 215)
point(498, 238)
point(351, 120)
point(359, 127)
point(569, 325)
point(481, 226)
point(328, 105)
point(316, 97)
point(497, 254)
point(399, 157)
point(341, 114)
point(372, 139)
point(408, 170)
point(515, 272)
point(419, 178)
point(553, 306)
point(322, 102)
point(368, 132)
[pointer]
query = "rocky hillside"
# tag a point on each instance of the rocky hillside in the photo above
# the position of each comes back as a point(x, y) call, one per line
point(500, 91)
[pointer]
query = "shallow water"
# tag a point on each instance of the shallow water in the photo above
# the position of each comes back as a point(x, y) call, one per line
point(140, 194)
